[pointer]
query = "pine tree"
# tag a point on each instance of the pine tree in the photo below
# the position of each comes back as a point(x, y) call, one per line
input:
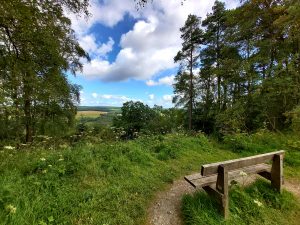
point(191, 34)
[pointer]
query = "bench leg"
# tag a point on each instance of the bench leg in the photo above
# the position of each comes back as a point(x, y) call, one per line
point(277, 172)
point(222, 187)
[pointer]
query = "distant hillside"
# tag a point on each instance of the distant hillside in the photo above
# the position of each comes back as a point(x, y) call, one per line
point(99, 108)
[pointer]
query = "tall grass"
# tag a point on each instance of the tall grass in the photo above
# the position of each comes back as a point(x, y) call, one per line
point(257, 204)
point(105, 183)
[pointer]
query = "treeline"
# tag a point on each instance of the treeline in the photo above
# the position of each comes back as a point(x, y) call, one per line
point(239, 68)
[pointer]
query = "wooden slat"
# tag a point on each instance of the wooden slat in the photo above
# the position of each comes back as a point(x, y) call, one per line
point(213, 192)
point(197, 180)
point(210, 169)
point(277, 172)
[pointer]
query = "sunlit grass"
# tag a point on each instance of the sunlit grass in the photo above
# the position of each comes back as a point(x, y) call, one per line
point(256, 204)
point(100, 182)
point(90, 114)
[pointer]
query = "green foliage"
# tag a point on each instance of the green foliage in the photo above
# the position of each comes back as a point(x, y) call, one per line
point(184, 89)
point(137, 117)
point(294, 117)
point(232, 120)
point(249, 67)
point(256, 204)
point(37, 47)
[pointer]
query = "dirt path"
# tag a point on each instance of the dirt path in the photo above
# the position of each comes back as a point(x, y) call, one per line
point(165, 209)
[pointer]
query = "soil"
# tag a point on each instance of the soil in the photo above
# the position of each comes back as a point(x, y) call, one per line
point(165, 209)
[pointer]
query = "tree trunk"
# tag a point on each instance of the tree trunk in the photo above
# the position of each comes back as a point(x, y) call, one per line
point(191, 91)
point(27, 109)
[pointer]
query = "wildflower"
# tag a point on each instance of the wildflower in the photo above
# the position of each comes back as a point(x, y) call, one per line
point(11, 209)
point(63, 146)
point(50, 165)
point(9, 147)
point(42, 159)
point(242, 173)
point(61, 159)
point(258, 203)
point(44, 171)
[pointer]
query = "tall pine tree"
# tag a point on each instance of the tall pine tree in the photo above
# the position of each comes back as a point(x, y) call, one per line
point(188, 56)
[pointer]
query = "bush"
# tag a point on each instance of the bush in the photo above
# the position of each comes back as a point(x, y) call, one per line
point(293, 117)
point(139, 118)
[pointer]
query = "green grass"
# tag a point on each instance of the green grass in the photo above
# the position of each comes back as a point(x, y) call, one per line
point(256, 204)
point(264, 141)
point(104, 183)
point(108, 183)
point(275, 209)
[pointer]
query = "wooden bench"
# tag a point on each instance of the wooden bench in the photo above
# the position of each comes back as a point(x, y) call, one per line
point(215, 177)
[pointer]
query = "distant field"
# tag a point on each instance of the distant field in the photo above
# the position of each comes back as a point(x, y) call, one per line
point(99, 108)
point(90, 114)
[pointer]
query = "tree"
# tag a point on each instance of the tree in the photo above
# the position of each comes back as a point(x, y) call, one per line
point(191, 34)
point(214, 41)
point(37, 46)
point(135, 117)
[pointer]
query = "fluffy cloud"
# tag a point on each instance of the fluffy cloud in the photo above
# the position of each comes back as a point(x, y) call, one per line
point(105, 99)
point(107, 12)
point(151, 96)
point(94, 95)
point(168, 80)
point(89, 44)
point(168, 98)
point(148, 48)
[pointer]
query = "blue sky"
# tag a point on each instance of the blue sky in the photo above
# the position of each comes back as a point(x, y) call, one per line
point(132, 50)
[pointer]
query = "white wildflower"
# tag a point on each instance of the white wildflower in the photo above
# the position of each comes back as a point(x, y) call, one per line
point(50, 165)
point(44, 171)
point(63, 146)
point(242, 173)
point(61, 159)
point(11, 209)
point(42, 159)
point(9, 147)
point(258, 203)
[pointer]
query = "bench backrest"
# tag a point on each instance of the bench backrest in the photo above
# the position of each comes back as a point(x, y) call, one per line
point(210, 169)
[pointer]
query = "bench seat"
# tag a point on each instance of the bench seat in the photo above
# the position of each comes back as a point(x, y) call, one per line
point(198, 181)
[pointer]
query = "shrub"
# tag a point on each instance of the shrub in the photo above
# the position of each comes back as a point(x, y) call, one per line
point(293, 117)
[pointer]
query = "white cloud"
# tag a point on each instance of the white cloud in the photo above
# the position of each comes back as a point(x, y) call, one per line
point(168, 98)
point(168, 80)
point(148, 48)
point(95, 95)
point(90, 45)
point(151, 96)
point(110, 97)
